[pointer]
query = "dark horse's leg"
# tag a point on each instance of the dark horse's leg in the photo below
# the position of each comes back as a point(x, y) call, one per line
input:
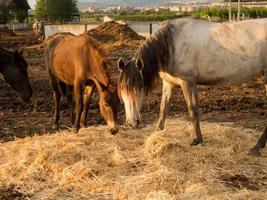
point(190, 93)
point(164, 106)
point(78, 92)
point(88, 91)
point(255, 151)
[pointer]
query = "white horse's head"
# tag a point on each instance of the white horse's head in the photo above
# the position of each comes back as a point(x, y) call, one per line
point(131, 89)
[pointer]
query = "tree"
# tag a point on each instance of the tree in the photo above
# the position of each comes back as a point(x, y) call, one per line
point(40, 11)
point(56, 10)
point(230, 10)
point(20, 15)
point(13, 8)
point(238, 10)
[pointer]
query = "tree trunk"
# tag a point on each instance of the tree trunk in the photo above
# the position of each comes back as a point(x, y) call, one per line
point(230, 10)
point(238, 10)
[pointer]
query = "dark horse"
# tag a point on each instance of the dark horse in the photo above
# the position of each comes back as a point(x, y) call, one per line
point(188, 52)
point(78, 61)
point(14, 69)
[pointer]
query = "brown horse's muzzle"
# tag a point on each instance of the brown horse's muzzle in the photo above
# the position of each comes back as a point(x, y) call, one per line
point(113, 130)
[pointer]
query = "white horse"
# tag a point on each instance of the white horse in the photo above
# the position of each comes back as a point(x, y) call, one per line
point(37, 28)
point(188, 52)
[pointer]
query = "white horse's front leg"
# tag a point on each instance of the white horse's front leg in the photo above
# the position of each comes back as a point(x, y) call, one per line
point(190, 93)
point(164, 106)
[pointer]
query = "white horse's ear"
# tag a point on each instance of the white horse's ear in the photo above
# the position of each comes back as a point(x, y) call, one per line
point(121, 64)
point(139, 64)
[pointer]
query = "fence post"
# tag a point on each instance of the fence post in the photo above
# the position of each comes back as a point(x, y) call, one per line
point(150, 28)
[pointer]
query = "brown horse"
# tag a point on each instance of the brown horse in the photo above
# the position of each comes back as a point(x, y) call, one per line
point(78, 61)
point(14, 69)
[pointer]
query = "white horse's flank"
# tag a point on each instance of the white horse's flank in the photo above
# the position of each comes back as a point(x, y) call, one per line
point(188, 52)
point(213, 53)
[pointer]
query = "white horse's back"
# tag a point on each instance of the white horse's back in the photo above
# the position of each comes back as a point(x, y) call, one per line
point(220, 53)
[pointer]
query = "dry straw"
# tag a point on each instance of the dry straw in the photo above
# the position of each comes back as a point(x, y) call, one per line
point(140, 164)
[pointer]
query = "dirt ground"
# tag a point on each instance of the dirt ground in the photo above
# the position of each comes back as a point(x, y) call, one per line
point(242, 106)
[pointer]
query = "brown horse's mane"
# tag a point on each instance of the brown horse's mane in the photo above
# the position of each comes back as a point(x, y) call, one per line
point(104, 57)
point(97, 45)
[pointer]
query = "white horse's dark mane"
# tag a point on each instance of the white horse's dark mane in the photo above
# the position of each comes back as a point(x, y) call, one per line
point(156, 53)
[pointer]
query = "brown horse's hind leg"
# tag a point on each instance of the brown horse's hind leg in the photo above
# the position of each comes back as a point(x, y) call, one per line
point(54, 85)
point(87, 94)
point(78, 92)
point(190, 94)
point(255, 151)
point(70, 103)
point(164, 106)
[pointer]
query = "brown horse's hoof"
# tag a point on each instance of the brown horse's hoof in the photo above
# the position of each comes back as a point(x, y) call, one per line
point(196, 141)
point(254, 152)
point(55, 127)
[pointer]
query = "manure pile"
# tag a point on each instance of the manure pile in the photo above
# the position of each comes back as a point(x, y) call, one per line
point(113, 31)
point(140, 164)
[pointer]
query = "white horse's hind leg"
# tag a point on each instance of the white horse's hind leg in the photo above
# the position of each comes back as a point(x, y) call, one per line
point(190, 93)
point(255, 151)
point(164, 106)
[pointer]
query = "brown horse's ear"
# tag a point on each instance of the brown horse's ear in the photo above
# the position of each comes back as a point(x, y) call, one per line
point(121, 64)
point(139, 64)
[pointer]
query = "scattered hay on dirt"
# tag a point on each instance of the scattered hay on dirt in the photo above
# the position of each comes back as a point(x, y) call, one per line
point(5, 32)
point(140, 164)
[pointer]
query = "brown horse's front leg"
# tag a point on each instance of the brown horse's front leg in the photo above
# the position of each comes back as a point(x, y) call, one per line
point(190, 93)
point(164, 106)
point(78, 91)
point(87, 94)
point(255, 151)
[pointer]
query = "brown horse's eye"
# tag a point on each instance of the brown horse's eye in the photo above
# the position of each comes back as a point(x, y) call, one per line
point(106, 105)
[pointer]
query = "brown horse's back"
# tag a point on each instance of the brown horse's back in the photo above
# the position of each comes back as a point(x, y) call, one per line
point(75, 58)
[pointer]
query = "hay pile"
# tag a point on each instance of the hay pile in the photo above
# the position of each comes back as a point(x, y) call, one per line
point(136, 164)
point(113, 31)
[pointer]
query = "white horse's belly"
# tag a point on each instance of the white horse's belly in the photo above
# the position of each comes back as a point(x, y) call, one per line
point(225, 73)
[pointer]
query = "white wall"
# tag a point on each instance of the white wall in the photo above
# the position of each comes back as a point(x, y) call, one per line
point(144, 28)
point(141, 28)
point(75, 29)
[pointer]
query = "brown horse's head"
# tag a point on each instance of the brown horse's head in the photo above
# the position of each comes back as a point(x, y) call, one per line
point(17, 77)
point(108, 103)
